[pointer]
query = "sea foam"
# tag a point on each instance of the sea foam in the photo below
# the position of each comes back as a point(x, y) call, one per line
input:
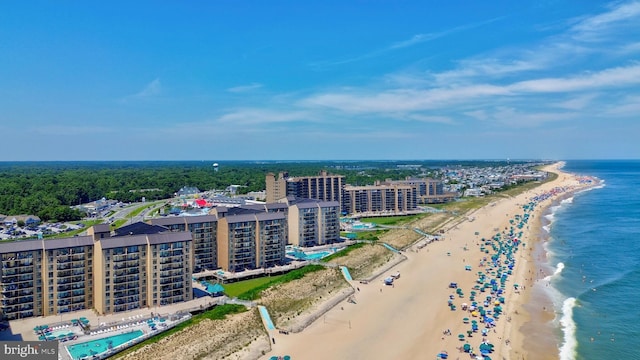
point(556, 272)
point(568, 348)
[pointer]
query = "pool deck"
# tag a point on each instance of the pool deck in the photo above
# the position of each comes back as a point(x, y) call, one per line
point(111, 324)
point(139, 323)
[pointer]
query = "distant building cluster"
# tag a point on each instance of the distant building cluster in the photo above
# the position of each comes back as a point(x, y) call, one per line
point(388, 197)
point(480, 181)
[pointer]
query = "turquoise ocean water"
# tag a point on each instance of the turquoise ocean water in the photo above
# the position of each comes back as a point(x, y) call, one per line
point(594, 253)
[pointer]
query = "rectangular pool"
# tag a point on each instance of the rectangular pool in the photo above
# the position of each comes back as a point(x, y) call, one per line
point(96, 347)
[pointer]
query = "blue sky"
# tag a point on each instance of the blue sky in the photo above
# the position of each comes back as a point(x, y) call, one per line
point(301, 80)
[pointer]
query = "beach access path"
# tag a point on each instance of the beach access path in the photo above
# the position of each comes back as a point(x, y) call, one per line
point(407, 320)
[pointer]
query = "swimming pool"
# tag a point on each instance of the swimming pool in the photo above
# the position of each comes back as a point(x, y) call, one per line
point(298, 254)
point(95, 347)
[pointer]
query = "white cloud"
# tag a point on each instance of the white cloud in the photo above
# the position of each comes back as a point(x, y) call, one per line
point(596, 27)
point(628, 106)
point(630, 48)
point(151, 89)
point(262, 116)
point(429, 118)
point(514, 118)
point(401, 100)
point(474, 68)
point(477, 114)
point(414, 40)
point(245, 88)
point(613, 77)
point(576, 103)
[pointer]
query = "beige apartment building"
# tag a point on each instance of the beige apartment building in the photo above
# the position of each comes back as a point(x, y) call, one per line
point(42, 278)
point(428, 190)
point(138, 271)
point(107, 273)
point(324, 186)
point(204, 231)
point(389, 198)
point(312, 222)
point(251, 239)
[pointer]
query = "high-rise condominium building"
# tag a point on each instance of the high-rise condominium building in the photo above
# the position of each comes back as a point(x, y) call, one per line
point(324, 186)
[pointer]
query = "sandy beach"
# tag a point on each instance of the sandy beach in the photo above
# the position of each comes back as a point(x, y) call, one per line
point(409, 319)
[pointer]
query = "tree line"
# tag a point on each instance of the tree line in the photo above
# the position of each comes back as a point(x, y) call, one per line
point(48, 189)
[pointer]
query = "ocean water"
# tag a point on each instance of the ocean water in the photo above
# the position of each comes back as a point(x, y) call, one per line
point(594, 253)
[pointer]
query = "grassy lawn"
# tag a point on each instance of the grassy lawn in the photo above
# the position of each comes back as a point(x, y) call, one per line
point(118, 223)
point(235, 289)
point(254, 293)
point(140, 209)
point(390, 220)
point(370, 235)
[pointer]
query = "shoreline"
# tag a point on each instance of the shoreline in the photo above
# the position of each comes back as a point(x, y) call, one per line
point(389, 322)
point(543, 330)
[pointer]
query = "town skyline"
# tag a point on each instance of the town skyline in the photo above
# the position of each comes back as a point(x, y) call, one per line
point(296, 81)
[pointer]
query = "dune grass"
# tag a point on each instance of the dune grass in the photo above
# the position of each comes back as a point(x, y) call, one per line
point(217, 313)
point(254, 293)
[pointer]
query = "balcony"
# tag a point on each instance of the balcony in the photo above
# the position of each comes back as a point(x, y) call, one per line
point(170, 253)
point(14, 279)
point(18, 270)
point(126, 279)
point(127, 257)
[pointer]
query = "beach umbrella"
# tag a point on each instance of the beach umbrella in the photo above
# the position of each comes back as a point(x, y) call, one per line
point(469, 332)
point(273, 358)
point(42, 338)
point(465, 320)
point(461, 336)
point(286, 357)
point(466, 347)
